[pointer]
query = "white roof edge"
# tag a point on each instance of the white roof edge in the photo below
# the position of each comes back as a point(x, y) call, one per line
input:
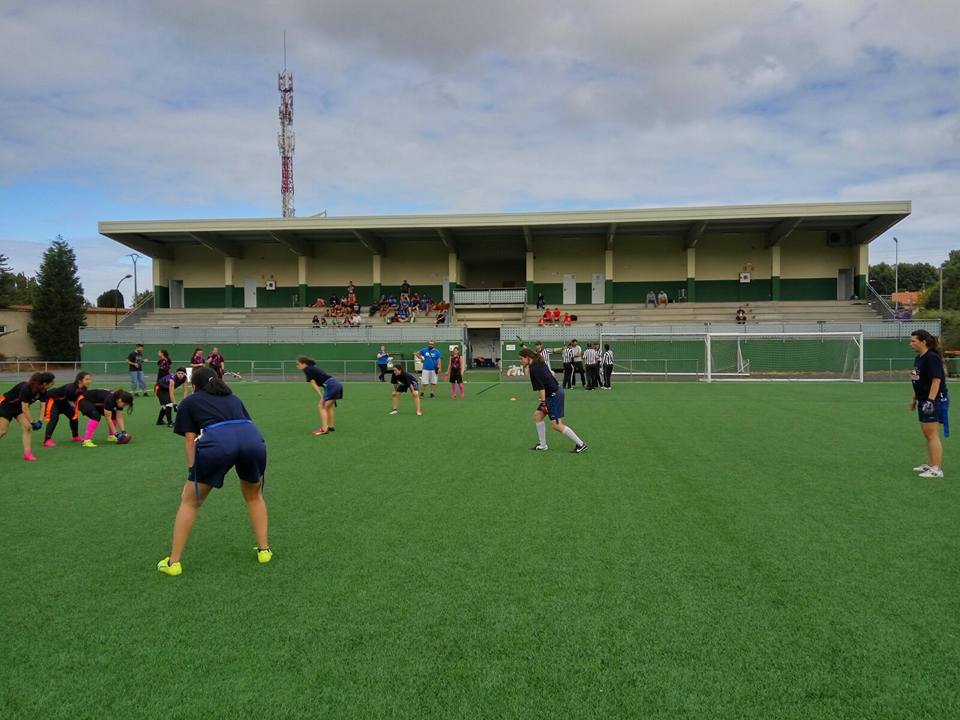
point(570, 217)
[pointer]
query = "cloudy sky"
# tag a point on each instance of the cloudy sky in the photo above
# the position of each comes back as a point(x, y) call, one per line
point(148, 110)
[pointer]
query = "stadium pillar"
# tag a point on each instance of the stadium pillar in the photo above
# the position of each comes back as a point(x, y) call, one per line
point(691, 274)
point(531, 286)
point(608, 277)
point(377, 286)
point(775, 272)
point(302, 278)
point(161, 290)
point(452, 265)
point(228, 282)
point(862, 270)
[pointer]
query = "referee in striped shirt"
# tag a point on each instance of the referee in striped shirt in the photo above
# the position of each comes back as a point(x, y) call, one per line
point(545, 352)
point(567, 365)
point(607, 364)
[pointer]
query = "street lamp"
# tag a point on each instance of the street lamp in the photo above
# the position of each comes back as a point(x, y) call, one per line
point(116, 294)
point(896, 272)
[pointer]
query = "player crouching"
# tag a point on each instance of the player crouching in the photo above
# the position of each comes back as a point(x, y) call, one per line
point(165, 390)
point(98, 405)
point(15, 405)
point(403, 381)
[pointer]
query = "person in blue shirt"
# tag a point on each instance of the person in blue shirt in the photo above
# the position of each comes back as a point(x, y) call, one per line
point(165, 390)
point(551, 401)
point(930, 399)
point(432, 365)
point(383, 361)
point(327, 387)
point(218, 435)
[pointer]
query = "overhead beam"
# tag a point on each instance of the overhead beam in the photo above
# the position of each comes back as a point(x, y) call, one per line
point(611, 234)
point(370, 241)
point(528, 238)
point(875, 228)
point(144, 245)
point(695, 233)
point(446, 237)
point(227, 248)
point(298, 246)
point(781, 231)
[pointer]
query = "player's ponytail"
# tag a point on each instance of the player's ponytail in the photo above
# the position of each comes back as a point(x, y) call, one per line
point(308, 361)
point(207, 380)
point(930, 340)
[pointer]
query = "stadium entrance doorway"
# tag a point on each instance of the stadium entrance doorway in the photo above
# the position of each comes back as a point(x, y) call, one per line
point(250, 293)
point(483, 344)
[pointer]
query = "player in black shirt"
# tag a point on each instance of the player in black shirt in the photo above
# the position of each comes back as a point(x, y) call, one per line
point(15, 405)
point(218, 435)
point(551, 401)
point(165, 390)
point(63, 401)
point(327, 387)
point(403, 381)
point(930, 399)
point(100, 404)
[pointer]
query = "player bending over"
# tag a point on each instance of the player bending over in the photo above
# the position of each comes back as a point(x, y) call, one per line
point(327, 387)
point(105, 404)
point(165, 390)
point(218, 435)
point(15, 405)
point(63, 401)
point(551, 401)
point(930, 399)
point(403, 381)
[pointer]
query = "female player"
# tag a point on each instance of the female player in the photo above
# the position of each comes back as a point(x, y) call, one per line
point(165, 390)
point(551, 401)
point(196, 362)
point(100, 404)
point(403, 381)
point(163, 364)
point(215, 361)
point(15, 405)
point(455, 372)
point(218, 435)
point(63, 401)
point(383, 359)
point(328, 388)
point(930, 399)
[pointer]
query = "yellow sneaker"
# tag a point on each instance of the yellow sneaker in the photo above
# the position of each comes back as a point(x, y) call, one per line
point(165, 567)
point(88, 443)
point(264, 555)
point(111, 438)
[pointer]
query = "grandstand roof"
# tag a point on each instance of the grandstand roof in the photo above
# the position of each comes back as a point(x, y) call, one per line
point(509, 233)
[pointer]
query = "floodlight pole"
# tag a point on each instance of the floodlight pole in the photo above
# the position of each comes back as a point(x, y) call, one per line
point(941, 287)
point(136, 290)
point(116, 294)
point(896, 273)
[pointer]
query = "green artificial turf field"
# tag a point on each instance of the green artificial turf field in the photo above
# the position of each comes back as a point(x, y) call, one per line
point(721, 551)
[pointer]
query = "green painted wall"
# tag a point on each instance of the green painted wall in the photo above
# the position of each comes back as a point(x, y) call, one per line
point(860, 286)
point(775, 289)
point(584, 293)
point(608, 291)
point(364, 293)
point(808, 289)
point(283, 297)
point(161, 296)
point(732, 290)
point(552, 292)
point(636, 291)
point(531, 293)
point(203, 297)
point(228, 295)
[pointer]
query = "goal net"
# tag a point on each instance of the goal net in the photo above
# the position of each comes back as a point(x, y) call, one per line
point(649, 356)
point(785, 356)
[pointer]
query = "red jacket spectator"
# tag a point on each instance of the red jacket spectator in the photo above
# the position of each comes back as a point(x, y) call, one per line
point(556, 315)
point(567, 320)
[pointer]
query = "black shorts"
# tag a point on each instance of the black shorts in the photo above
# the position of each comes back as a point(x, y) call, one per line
point(403, 387)
point(229, 446)
point(9, 412)
point(95, 412)
point(456, 376)
point(163, 396)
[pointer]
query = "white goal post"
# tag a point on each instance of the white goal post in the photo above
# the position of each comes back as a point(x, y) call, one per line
point(786, 356)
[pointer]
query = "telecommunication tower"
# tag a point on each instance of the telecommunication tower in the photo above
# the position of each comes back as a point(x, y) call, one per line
point(285, 138)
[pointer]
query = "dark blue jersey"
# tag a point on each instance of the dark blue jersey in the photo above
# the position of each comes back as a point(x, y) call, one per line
point(542, 378)
point(312, 372)
point(926, 368)
point(201, 409)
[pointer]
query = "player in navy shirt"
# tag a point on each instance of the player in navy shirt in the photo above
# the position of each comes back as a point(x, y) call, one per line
point(15, 405)
point(403, 381)
point(930, 399)
point(551, 401)
point(165, 391)
point(327, 387)
point(63, 401)
point(218, 435)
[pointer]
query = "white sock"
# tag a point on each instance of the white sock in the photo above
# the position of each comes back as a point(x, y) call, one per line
point(568, 431)
point(542, 432)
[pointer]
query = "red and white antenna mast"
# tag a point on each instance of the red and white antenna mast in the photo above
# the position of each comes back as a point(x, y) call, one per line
point(285, 139)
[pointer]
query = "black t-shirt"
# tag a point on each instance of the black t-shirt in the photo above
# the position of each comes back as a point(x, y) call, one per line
point(101, 398)
point(19, 393)
point(312, 372)
point(926, 367)
point(201, 409)
point(542, 378)
point(137, 359)
point(66, 392)
point(404, 378)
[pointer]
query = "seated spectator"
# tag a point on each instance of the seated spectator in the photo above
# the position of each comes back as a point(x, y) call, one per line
point(441, 317)
point(853, 296)
point(567, 320)
point(556, 316)
point(662, 298)
point(541, 303)
point(351, 299)
point(334, 300)
point(405, 290)
point(546, 318)
point(323, 322)
point(402, 315)
point(651, 299)
point(355, 320)
point(741, 316)
point(320, 302)
point(316, 321)
point(425, 304)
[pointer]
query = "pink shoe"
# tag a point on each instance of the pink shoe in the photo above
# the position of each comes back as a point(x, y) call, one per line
point(320, 431)
point(29, 457)
point(78, 439)
point(49, 443)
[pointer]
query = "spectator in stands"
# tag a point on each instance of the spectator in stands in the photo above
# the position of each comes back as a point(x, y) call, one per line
point(425, 304)
point(567, 319)
point(350, 288)
point(651, 299)
point(441, 317)
point(355, 320)
point(403, 314)
point(316, 321)
point(741, 316)
point(319, 303)
point(556, 316)
point(323, 322)
point(333, 301)
point(546, 318)
point(662, 298)
point(541, 303)
point(405, 290)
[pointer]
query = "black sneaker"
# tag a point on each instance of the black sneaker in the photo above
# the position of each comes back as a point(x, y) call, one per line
point(579, 448)
point(538, 446)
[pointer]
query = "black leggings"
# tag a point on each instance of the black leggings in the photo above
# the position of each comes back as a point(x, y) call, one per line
point(166, 408)
point(56, 410)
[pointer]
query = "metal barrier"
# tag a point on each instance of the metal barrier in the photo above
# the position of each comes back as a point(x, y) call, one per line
point(414, 332)
point(509, 296)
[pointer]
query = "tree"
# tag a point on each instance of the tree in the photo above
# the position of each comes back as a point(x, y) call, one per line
point(23, 289)
point(58, 304)
point(917, 276)
point(142, 297)
point(110, 299)
point(6, 282)
point(881, 277)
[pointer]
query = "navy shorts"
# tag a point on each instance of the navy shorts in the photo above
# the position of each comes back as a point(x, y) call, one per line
point(229, 446)
point(332, 390)
point(402, 388)
point(555, 406)
point(933, 417)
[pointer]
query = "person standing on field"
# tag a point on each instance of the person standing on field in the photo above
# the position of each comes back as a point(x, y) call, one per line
point(432, 364)
point(607, 362)
point(577, 365)
point(138, 384)
point(930, 399)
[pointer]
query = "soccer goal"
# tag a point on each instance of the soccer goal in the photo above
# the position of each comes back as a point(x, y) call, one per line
point(645, 356)
point(785, 356)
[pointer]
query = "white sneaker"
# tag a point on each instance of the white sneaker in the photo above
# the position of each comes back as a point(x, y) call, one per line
point(933, 472)
point(394, 412)
point(921, 468)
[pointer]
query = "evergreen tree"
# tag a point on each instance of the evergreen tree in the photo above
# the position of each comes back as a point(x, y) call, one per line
point(110, 299)
point(23, 289)
point(58, 304)
point(6, 282)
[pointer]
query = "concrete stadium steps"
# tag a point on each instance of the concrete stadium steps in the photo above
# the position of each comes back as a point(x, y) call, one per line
point(253, 317)
point(680, 313)
point(488, 317)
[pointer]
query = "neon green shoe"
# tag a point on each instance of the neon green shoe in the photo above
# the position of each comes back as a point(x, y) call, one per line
point(165, 567)
point(264, 555)
point(88, 443)
point(111, 438)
